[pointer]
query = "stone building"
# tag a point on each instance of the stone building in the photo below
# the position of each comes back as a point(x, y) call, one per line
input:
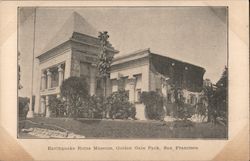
point(146, 71)
point(74, 52)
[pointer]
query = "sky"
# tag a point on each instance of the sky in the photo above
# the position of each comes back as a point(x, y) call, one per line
point(197, 35)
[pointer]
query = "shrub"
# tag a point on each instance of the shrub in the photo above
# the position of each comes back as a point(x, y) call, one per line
point(57, 107)
point(95, 106)
point(154, 105)
point(184, 111)
point(181, 110)
point(23, 105)
point(119, 107)
point(75, 91)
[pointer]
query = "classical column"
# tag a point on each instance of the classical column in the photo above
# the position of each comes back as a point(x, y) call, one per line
point(60, 75)
point(47, 106)
point(132, 81)
point(92, 80)
point(48, 78)
point(43, 82)
point(42, 105)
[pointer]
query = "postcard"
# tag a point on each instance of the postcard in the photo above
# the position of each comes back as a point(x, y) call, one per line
point(141, 80)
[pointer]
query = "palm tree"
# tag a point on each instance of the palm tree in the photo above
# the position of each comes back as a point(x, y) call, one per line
point(105, 59)
point(104, 63)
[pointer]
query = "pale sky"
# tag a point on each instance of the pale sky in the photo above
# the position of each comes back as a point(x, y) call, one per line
point(197, 35)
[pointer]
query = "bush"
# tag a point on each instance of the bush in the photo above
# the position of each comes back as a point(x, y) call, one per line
point(119, 107)
point(184, 111)
point(57, 107)
point(95, 106)
point(154, 105)
point(75, 91)
point(181, 110)
point(23, 105)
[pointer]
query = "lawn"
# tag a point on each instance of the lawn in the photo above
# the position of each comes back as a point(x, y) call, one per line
point(126, 129)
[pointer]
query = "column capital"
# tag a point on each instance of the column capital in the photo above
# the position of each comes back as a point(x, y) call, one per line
point(132, 80)
point(48, 72)
point(60, 68)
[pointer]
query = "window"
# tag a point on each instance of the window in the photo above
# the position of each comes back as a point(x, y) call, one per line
point(99, 84)
point(121, 84)
point(54, 78)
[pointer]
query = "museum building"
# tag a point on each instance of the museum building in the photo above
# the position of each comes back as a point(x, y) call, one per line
point(74, 52)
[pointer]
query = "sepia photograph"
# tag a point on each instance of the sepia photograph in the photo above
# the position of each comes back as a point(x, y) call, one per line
point(122, 72)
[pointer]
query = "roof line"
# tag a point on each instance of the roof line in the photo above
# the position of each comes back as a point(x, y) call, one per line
point(178, 60)
point(137, 52)
point(141, 51)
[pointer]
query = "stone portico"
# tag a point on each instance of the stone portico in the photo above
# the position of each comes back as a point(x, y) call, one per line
point(75, 55)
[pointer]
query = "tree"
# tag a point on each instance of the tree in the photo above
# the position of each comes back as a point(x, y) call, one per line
point(220, 96)
point(75, 91)
point(208, 95)
point(23, 107)
point(96, 106)
point(57, 107)
point(154, 105)
point(217, 97)
point(119, 107)
point(105, 59)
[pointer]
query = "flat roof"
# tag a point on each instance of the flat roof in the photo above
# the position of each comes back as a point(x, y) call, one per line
point(144, 53)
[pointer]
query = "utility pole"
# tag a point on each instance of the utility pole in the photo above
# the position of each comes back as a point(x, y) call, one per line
point(31, 112)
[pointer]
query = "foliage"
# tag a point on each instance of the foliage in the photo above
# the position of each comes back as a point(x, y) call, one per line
point(220, 95)
point(105, 59)
point(57, 107)
point(154, 105)
point(119, 107)
point(217, 98)
point(96, 106)
point(75, 91)
point(208, 94)
point(201, 107)
point(23, 105)
point(182, 110)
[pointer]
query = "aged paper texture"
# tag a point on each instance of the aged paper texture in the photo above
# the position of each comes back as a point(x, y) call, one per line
point(125, 59)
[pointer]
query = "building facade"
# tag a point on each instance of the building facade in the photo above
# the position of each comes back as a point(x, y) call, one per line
point(71, 53)
point(146, 71)
point(74, 52)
